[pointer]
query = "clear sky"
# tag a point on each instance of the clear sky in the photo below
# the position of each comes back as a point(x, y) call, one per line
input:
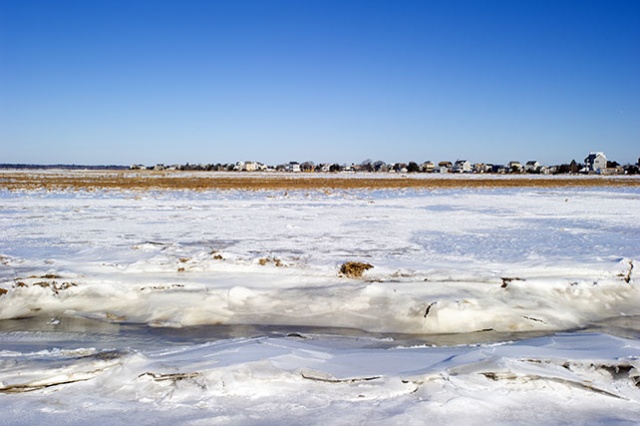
point(121, 82)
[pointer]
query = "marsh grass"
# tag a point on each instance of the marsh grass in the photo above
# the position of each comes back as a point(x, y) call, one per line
point(354, 269)
point(136, 180)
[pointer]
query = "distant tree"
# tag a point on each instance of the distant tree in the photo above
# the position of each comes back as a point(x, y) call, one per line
point(379, 166)
point(413, 167)
point(574, 167)
point(335, 167)
point(307, 166)
point(399, 166)
point(631, 169)
point(368, 167)
point(612, 164)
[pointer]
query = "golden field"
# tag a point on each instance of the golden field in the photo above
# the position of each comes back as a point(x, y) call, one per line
point(175, 180)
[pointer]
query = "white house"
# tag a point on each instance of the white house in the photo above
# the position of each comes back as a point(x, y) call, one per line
point(596, 162)
point(532, 167)
point(462, 166)
point(444, 167)
point(294, 167)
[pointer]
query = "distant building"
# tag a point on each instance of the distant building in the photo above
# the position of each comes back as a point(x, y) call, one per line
point(498, 168)
point(481, 168)
point(532, 167)
point(515, 167)
point(294, 167)
point(325, 167)
point(428, 167)
point(252, 166)
point(445, 166)
point(596, 162)
point(462, 166)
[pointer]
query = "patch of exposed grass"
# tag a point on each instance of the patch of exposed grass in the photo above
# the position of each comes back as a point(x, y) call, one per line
point(265, 260)
point(354, 269)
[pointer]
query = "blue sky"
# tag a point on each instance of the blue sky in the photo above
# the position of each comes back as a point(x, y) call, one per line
point(118, 82)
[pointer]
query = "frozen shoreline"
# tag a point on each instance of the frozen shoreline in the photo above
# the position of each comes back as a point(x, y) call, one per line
point(447, 262)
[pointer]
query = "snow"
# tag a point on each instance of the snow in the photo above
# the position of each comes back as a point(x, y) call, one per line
point(487, 305)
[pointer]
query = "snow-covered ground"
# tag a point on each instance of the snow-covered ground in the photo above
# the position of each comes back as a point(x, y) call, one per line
point(492, 305)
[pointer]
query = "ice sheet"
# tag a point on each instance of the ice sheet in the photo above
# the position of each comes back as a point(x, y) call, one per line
point(494, 267)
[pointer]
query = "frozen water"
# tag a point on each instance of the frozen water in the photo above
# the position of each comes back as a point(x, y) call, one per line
point(503, 306)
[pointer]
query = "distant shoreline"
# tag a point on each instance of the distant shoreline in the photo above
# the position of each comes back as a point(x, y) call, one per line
point(7, 166)
point(15, 180)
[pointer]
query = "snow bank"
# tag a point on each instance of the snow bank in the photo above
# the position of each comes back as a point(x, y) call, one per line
point(444, 262)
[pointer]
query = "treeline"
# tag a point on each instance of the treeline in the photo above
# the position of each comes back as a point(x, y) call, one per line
point(61, 166)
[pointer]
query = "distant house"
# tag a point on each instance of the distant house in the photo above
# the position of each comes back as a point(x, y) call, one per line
point(445, 166)
point(532, 167)
point(481, 168)
point(515, 167)
point(294, 167)
point(596, 162)
point(498, 168)
point(462, 166)
point(428, 167)
point(614, 170)
point(250, 166)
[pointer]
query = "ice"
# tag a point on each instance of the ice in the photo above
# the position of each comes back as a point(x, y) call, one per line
point(483, 306)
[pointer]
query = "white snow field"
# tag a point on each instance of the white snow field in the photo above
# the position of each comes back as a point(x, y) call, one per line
point(484, 306)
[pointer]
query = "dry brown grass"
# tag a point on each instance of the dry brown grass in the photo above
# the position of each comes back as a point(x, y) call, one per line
point(148, 180)
point(265, 260)
point(354, 269)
